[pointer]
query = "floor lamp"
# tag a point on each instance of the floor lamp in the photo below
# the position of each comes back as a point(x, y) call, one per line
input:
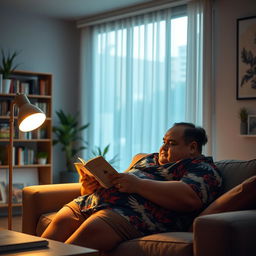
point(30, 117)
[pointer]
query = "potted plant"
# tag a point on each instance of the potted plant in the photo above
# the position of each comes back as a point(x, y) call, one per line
point(42, 157)
point(99, 152)
point(68, 135)
point(6, 68)
point(243, 114)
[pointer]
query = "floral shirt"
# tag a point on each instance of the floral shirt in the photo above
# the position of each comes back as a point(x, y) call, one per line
point(199, 173)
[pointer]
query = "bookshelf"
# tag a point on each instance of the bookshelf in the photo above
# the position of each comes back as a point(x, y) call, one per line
point(38, 88)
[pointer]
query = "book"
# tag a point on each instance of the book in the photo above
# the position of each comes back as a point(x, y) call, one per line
point(12, 241)
point(98, 167)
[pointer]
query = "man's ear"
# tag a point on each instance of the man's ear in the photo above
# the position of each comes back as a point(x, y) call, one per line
point(193, 147)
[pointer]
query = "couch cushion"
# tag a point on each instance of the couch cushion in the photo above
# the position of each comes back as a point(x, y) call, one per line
point(235, 172)
point(241, 197)
point(43, 222)
point(164, 244)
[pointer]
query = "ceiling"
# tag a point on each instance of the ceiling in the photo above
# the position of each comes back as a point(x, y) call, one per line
point(69, 9)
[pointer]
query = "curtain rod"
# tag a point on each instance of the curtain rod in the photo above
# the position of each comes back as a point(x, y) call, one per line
point(128, 12)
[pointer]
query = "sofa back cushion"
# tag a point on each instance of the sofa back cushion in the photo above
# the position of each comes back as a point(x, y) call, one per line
point(241, 197)
point(239, 192)
point(235, 172)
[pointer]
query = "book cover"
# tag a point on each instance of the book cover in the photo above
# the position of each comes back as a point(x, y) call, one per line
point(12, 241)
point(97, 167)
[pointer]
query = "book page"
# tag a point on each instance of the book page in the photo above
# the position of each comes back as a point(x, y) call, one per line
point(82, 170)
point(99, 168)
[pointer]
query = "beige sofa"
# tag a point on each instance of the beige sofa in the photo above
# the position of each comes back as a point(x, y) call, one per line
point(226, 228)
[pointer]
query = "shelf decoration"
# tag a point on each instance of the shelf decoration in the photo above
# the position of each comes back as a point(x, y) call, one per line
point(252, 124)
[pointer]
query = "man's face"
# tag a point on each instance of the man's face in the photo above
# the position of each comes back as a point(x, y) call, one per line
point(174, 147)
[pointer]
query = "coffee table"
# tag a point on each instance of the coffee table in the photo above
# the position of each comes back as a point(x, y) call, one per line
point(54, 248)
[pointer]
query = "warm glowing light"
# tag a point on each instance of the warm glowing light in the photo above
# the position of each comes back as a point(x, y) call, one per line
point(32, 122)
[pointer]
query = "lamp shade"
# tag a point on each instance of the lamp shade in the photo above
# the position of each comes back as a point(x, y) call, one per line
point(30, 117)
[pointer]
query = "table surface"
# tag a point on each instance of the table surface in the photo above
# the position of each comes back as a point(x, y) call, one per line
point(54, 249)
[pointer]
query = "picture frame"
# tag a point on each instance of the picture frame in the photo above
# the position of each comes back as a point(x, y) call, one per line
point(3, 198)
point(252, 124)
point(246, 55)
point(17, 192)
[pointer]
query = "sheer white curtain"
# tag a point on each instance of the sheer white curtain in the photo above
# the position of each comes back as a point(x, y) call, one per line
point(199, 67)
point(136, 81)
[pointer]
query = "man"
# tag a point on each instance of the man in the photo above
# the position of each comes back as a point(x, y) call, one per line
point(160, 192)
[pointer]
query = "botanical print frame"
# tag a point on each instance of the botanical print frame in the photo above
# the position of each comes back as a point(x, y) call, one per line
point(246, 58)
point(252, 124)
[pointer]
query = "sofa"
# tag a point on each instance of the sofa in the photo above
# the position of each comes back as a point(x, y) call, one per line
point(227, 227)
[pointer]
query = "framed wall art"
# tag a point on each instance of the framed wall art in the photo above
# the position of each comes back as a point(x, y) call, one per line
point(246, 58)
point(252, 124)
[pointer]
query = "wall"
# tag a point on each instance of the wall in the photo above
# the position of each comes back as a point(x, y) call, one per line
point(228, 144)
point(47, 45)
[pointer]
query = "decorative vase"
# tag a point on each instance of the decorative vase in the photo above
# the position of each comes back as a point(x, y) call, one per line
point(243, 128)
point(6, 84)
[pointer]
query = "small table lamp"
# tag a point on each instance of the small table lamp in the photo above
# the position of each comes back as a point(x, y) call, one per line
point(30, 118)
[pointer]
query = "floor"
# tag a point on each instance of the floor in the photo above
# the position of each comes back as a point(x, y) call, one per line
point(16, 223)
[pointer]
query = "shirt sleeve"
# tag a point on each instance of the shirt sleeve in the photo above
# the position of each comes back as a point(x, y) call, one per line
point(203, 179)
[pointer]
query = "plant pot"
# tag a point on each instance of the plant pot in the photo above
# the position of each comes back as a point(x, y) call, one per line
point(243, 128)
point(42, 160)
point(69, 177)
point(6, 84)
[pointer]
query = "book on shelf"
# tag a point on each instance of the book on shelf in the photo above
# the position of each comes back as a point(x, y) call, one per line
point(27, 85)
point(3, 154)
point(14, 241)
point(43, 106)
point(24, 156)
point(4, 131)
point(43, 86)
point(5, 108)
point(98, 167)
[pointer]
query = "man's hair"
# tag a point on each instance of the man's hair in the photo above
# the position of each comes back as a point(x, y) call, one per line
point(193, 133)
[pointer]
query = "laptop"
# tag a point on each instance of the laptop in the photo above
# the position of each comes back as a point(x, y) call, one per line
point(12, 241)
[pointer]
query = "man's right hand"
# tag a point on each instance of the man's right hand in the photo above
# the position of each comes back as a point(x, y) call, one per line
point(89, 184)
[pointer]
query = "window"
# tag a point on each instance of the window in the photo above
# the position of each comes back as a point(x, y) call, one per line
point(139, 82)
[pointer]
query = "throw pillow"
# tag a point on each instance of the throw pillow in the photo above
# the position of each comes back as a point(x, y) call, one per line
point(241, 197)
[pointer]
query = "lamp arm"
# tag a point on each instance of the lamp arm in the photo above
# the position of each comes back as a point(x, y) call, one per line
point(10, 159)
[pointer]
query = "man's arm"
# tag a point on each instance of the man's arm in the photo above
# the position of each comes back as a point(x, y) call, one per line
point(173, 195)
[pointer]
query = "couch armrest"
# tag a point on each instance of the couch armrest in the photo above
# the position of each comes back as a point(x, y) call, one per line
point(225, 234)
point(41, 199)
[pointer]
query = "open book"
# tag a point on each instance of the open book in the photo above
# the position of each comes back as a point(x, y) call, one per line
point(97, 167)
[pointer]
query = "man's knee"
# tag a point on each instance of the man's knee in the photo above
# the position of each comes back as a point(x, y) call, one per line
point(92, 233)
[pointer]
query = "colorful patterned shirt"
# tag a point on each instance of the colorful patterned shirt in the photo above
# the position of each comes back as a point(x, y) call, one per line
point(199, 173)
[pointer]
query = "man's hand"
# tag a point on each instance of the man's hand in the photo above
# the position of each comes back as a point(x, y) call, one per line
point(89, 184)
point(126, 182)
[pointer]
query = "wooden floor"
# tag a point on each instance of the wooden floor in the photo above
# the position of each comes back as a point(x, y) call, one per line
point(16, 223)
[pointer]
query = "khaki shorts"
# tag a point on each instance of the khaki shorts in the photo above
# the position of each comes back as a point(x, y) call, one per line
point(117, 222)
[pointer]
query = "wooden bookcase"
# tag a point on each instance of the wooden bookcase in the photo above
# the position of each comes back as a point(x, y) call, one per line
point(38, 88)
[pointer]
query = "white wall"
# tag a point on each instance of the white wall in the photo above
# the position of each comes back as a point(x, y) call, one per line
point(47, 45)
point(228, 143)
